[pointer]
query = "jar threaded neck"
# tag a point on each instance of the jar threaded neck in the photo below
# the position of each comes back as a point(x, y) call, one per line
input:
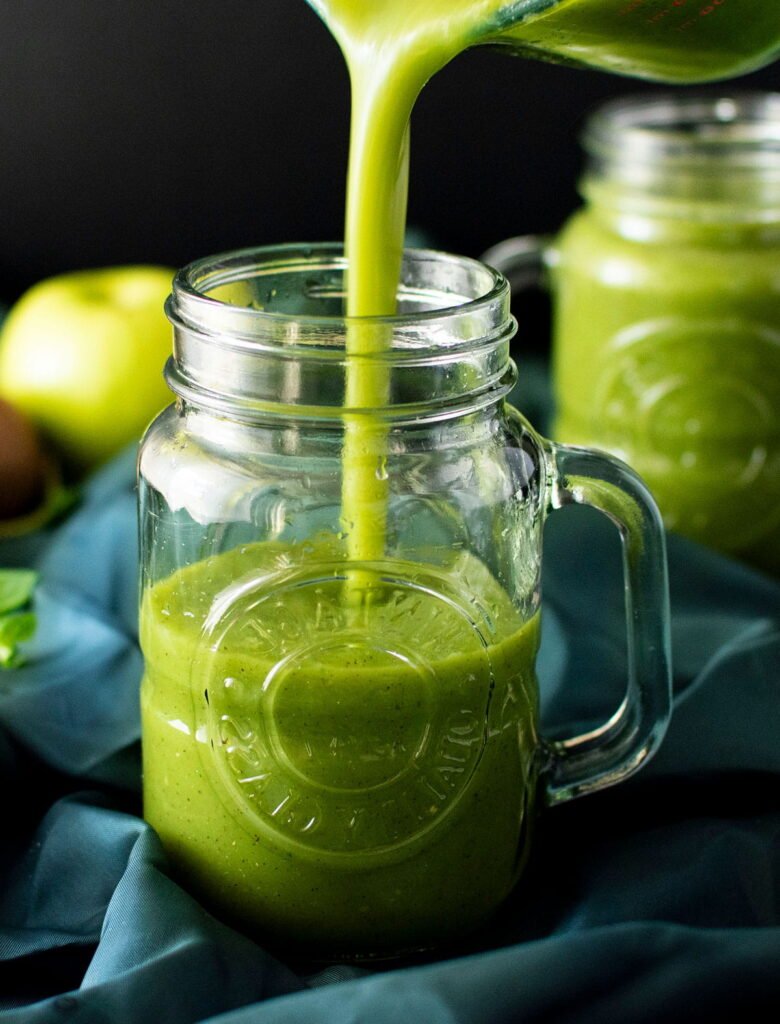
point(262, 331)
point(703, 157)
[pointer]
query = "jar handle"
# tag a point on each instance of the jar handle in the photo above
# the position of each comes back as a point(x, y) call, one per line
point(615, 750)
point(523, 260)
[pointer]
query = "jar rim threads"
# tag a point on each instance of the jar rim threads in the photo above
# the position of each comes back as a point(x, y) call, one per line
point(666, 154)
point(263, 330)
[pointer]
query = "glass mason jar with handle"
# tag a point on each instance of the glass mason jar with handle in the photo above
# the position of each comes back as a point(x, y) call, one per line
point(344, 757)
point(667, 338)
point(666, 309)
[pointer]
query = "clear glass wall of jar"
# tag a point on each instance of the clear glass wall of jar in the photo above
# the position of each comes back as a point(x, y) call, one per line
point(340, 753)
point(667, 311)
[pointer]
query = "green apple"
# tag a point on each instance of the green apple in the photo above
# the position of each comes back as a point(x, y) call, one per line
point(82, 355)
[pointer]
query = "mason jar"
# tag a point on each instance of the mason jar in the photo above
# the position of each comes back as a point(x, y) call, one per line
point(666, 292)
point(341, 739)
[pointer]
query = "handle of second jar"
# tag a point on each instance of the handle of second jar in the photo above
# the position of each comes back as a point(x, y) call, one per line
point(615, 750)
point(523, 260)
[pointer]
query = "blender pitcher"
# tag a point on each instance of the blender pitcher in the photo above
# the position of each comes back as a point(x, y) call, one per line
point(661, 40)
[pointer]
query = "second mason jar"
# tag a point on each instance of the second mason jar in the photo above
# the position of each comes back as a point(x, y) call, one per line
point(340, 710)
point(667, 310)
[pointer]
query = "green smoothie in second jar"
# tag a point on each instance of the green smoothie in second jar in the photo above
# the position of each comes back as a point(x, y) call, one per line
point(339, 774)
point(667, 332)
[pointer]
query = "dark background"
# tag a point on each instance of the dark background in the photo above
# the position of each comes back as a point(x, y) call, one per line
point(159, 130)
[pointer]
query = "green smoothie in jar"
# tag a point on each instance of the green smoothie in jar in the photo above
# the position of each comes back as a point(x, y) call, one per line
point(330, 774)
point(667, 311)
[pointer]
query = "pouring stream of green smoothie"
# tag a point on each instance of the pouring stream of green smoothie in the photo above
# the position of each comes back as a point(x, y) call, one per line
point(391, 52)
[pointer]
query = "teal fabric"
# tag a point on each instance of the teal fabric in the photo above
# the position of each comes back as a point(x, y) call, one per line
point(658, 900)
